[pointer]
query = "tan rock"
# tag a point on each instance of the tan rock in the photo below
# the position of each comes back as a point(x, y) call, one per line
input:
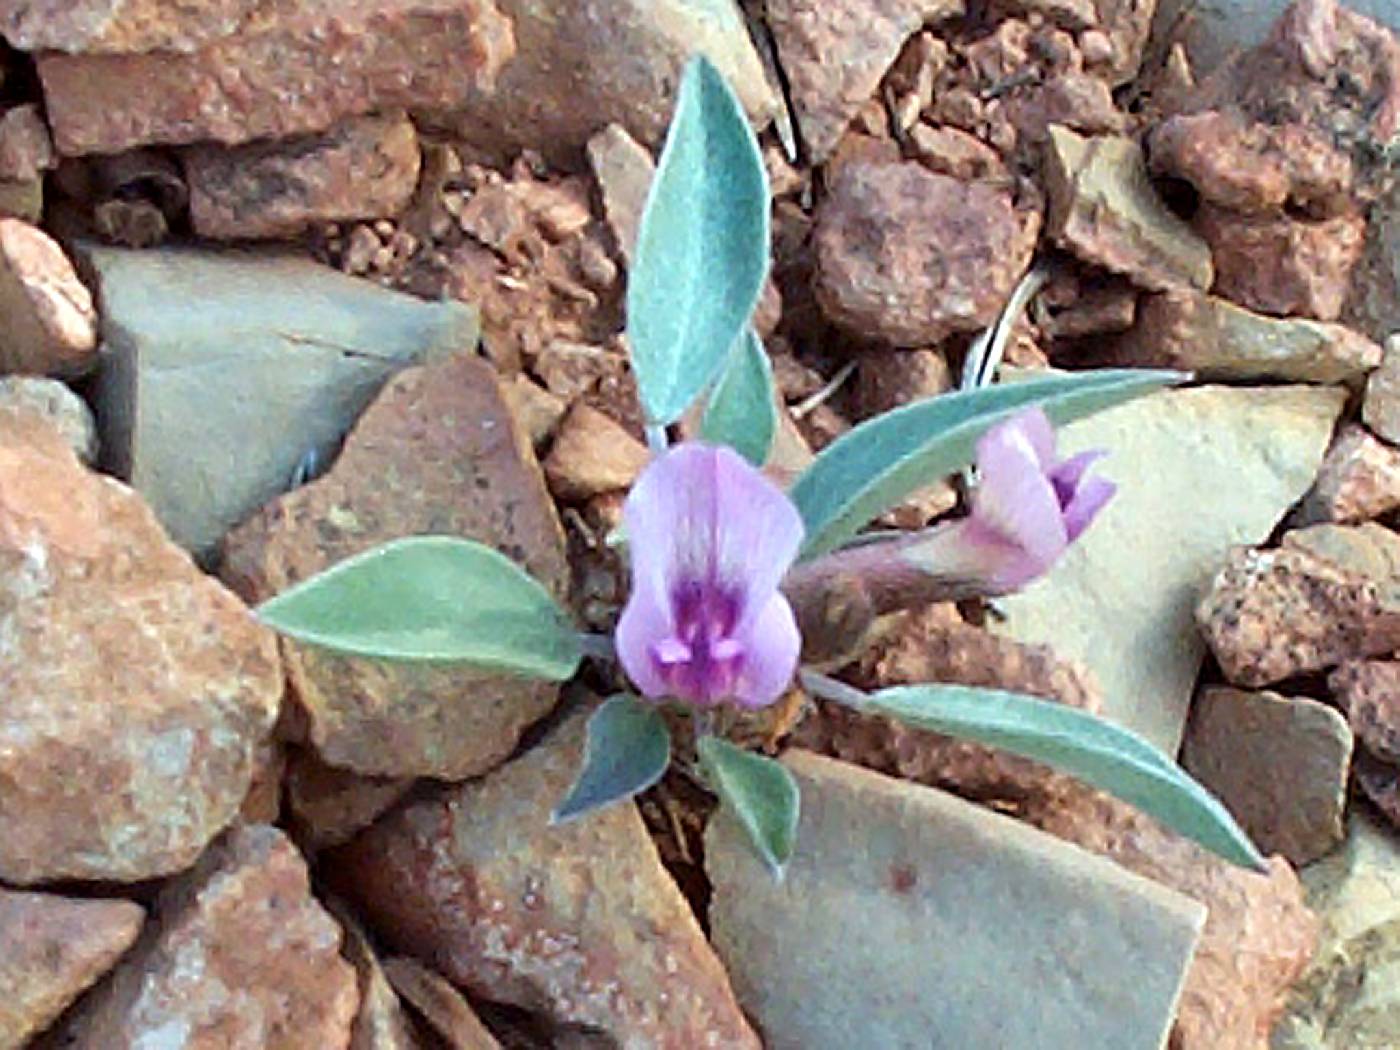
point(381, 1022)
point(50, 323)
point(263, 802)
point(120, 26)
point(1369, 692)
point(1270, 614)
point(623, 168)
point(1219, 340)
point(1359, 480)
point(330, 806)
point(22, 200)
point(438, 451)
point(835, 53)
point(953, 152)
point(56, 404)
point(1379, 782)
point(538, 411)
point(907, 257)
point(1277, 264)
point(136, 688)
point(363, 168)
point(26, 151)
point(1104, 210)
point(1279, 763)
point(1381, 407)
point(238, 956)
point(443, 1006)
point(578, 921)
point(591, 455)
point(51, 950)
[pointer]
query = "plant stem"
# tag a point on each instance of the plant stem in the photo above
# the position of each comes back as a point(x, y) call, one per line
point(828, 688)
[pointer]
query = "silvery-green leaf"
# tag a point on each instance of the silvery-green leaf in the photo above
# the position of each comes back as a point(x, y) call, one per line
point(760, 792)
point(1099, 753)
point(434, 599)
point(872, 467)
point(702, 250)
point(742, 412)
point(627, 752)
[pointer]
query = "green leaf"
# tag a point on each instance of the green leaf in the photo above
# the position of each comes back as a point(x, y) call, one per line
point(702, 250)
point(434, 599)
point(872, 467)
point(760, 792)
point(628, 750)
point(1075, 742)
point(742, 412)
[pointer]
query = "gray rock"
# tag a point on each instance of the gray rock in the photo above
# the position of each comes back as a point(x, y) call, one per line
point(1349, 998)
point(1198, 471)
point(224, 370)
point(909, 918)
point(1279, 763)
point(54, 402)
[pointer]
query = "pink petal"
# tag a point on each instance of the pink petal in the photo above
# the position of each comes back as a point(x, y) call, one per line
point(1034, 425)
point(771, 648)
point(1087, 501)
point(669, 516)
point(642, 632)
point(757, 532)
point(1067, 475)
point(1014, 498)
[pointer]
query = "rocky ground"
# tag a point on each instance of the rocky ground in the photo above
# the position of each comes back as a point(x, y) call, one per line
point(309, 281)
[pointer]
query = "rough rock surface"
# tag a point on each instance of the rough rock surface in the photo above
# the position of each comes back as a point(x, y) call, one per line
point(364, 167)
point(381, 1022)
point(1279, 763)
point(1271, 614)
point(443, 1006)
point(51, 950)
point(623, 168)
point(238, 956)
point(1369, 692)
point(1217, 339)
point(1359, 480)
point(56, 404)
point(1373, 305)
point(897, 869)
point(26, 151)
point(330, 806)
point(136, 688)
point(50, 323)
point(577, 921)
point(835, 52)
point(120, 26)
point(592, 454)
point(907, 257)
point(437, 452)
point(1104, 210)
point(1381, 407)
point(1122, 606)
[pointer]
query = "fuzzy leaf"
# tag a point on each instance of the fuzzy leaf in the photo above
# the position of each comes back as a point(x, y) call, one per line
point(1099, 753)
point(431, 599)
point(627, 752)
point(760, 792)
point(742, 412)
point(869, 469)
point(702, 250)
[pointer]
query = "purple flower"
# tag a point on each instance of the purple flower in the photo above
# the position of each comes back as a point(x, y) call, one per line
point(711, 538)
point(1026, 511)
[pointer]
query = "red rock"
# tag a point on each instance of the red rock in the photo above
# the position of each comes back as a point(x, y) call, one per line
point(445, 1008)
point(362, 168)
point(438, 451)
point(1281, 265)
point(1369, 692)
point(330, 806)
point(577, 921)
point(136, 688)
point(50, 323)
point(381, 1022)
point(1380, 782)
point(907, 257)
point(120, 25)
point(1359, 480)
point(888, 379)
point(835, 52)
point(51, 950)
point(240, 956)
point(955, 153)
point(26, 151)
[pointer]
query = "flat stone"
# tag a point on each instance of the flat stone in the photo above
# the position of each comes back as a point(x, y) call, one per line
point(899, 869)
point(1123, 608)
point(1369, 692)
point(50, 323)
point(1272, 614)
point(509, 74)
point(1381, 407)
point(1279, 763)
point(56, 404)
point(136, 688)
point(1359, 480)
point(363, 168)
point(1217, 339)
point(444, 1008)
point(1104, 210)
point(381, 1022)
point(1350, 996)
point(26, 150)
point(1379, 784)
point(330, 806)
point(296, 349)
point(578, 921)
point(623, 168)
point(835, 53)
point(907, 257)
point(438, 452)
point(238, 956)
point(119, 26)
point(592, 454)
point(52, 949)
